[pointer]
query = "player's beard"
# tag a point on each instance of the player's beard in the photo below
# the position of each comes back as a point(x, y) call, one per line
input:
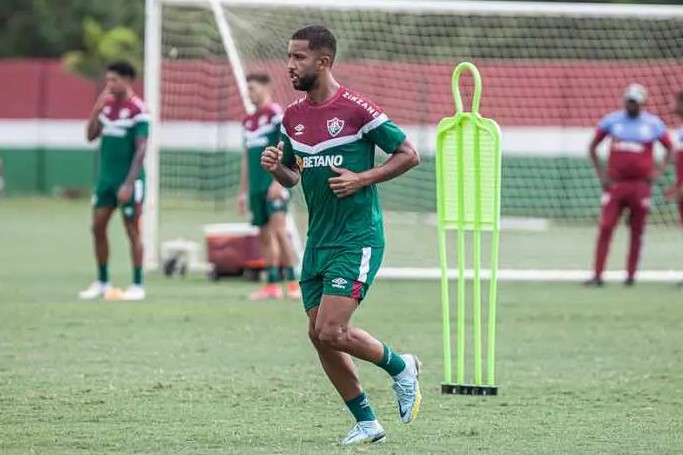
point(304, 83)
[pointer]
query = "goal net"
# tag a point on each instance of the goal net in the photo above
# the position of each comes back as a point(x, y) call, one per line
point(550, 72)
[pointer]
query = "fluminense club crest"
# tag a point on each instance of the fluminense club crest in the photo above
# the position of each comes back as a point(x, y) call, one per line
point(335, 126)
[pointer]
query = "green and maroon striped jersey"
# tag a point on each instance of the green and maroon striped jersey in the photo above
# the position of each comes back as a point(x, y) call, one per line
point(261, 129)
point(122, 122)
point(342, 132)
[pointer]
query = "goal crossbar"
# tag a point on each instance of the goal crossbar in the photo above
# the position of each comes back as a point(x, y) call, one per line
point(463, 7)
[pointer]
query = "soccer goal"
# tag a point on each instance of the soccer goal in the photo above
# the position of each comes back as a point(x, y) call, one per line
point(550, 72)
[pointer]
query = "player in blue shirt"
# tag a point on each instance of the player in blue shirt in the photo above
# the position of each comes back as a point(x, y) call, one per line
point(627, 179)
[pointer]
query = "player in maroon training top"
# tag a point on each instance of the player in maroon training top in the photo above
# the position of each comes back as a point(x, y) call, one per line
point(267, 200)
point(328, 142)
point(121, 120)
point(627, 181)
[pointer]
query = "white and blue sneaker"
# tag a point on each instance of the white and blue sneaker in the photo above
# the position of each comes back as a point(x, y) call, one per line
point(368, 432)
point(407, 389)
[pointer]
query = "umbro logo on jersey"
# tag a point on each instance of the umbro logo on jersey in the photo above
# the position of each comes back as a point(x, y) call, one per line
point(299, 129)
point(339, 283)
point(335, 126)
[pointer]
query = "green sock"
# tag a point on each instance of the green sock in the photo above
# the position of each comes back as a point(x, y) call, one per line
point(360, 408)
point(137, 276)
point(391, 362)
point(273, 274)
point(103, 273)
point(289, 274)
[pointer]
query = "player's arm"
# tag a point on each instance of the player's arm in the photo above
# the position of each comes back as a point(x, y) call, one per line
point(244, 184)
point(668, 143)
point(141, 133)
point(404, 158)
point(126, 189)
point(675, 192)
point(279, 161)
point(138, 159)
point(94, 128)
point(598, 137)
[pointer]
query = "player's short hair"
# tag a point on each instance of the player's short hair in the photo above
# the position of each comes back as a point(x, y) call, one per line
point(261, 78)
point(319, 37)
point(123, 68)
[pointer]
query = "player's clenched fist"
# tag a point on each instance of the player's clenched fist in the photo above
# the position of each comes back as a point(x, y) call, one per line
point(272, 157)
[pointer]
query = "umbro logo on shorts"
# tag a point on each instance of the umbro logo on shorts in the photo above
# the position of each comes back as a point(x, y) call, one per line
point(339, 283)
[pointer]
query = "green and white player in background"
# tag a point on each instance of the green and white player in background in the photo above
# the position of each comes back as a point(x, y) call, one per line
point(267, 199)
point(328, 143)
point(120, 118)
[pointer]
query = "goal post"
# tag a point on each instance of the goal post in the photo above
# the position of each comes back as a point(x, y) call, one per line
point(152, 81)
point(552, 70)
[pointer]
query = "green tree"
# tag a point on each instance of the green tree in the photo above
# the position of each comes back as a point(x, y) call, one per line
point(49, 28)
point(102, 46)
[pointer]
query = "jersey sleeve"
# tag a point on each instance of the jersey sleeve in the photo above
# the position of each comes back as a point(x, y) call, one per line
point(141, 125)
point(384, 133)
point(288, 158)
point(605, 124)
point(660, 130)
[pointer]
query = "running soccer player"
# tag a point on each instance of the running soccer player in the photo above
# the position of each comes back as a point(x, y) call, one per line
point(631, 170)
point(328, 142)
point(120, 118)
point(267, 198)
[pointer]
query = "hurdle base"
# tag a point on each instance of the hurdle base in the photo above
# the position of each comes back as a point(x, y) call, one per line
point(468, 389)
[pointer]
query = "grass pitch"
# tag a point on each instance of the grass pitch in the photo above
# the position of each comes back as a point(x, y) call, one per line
point(197, 369)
